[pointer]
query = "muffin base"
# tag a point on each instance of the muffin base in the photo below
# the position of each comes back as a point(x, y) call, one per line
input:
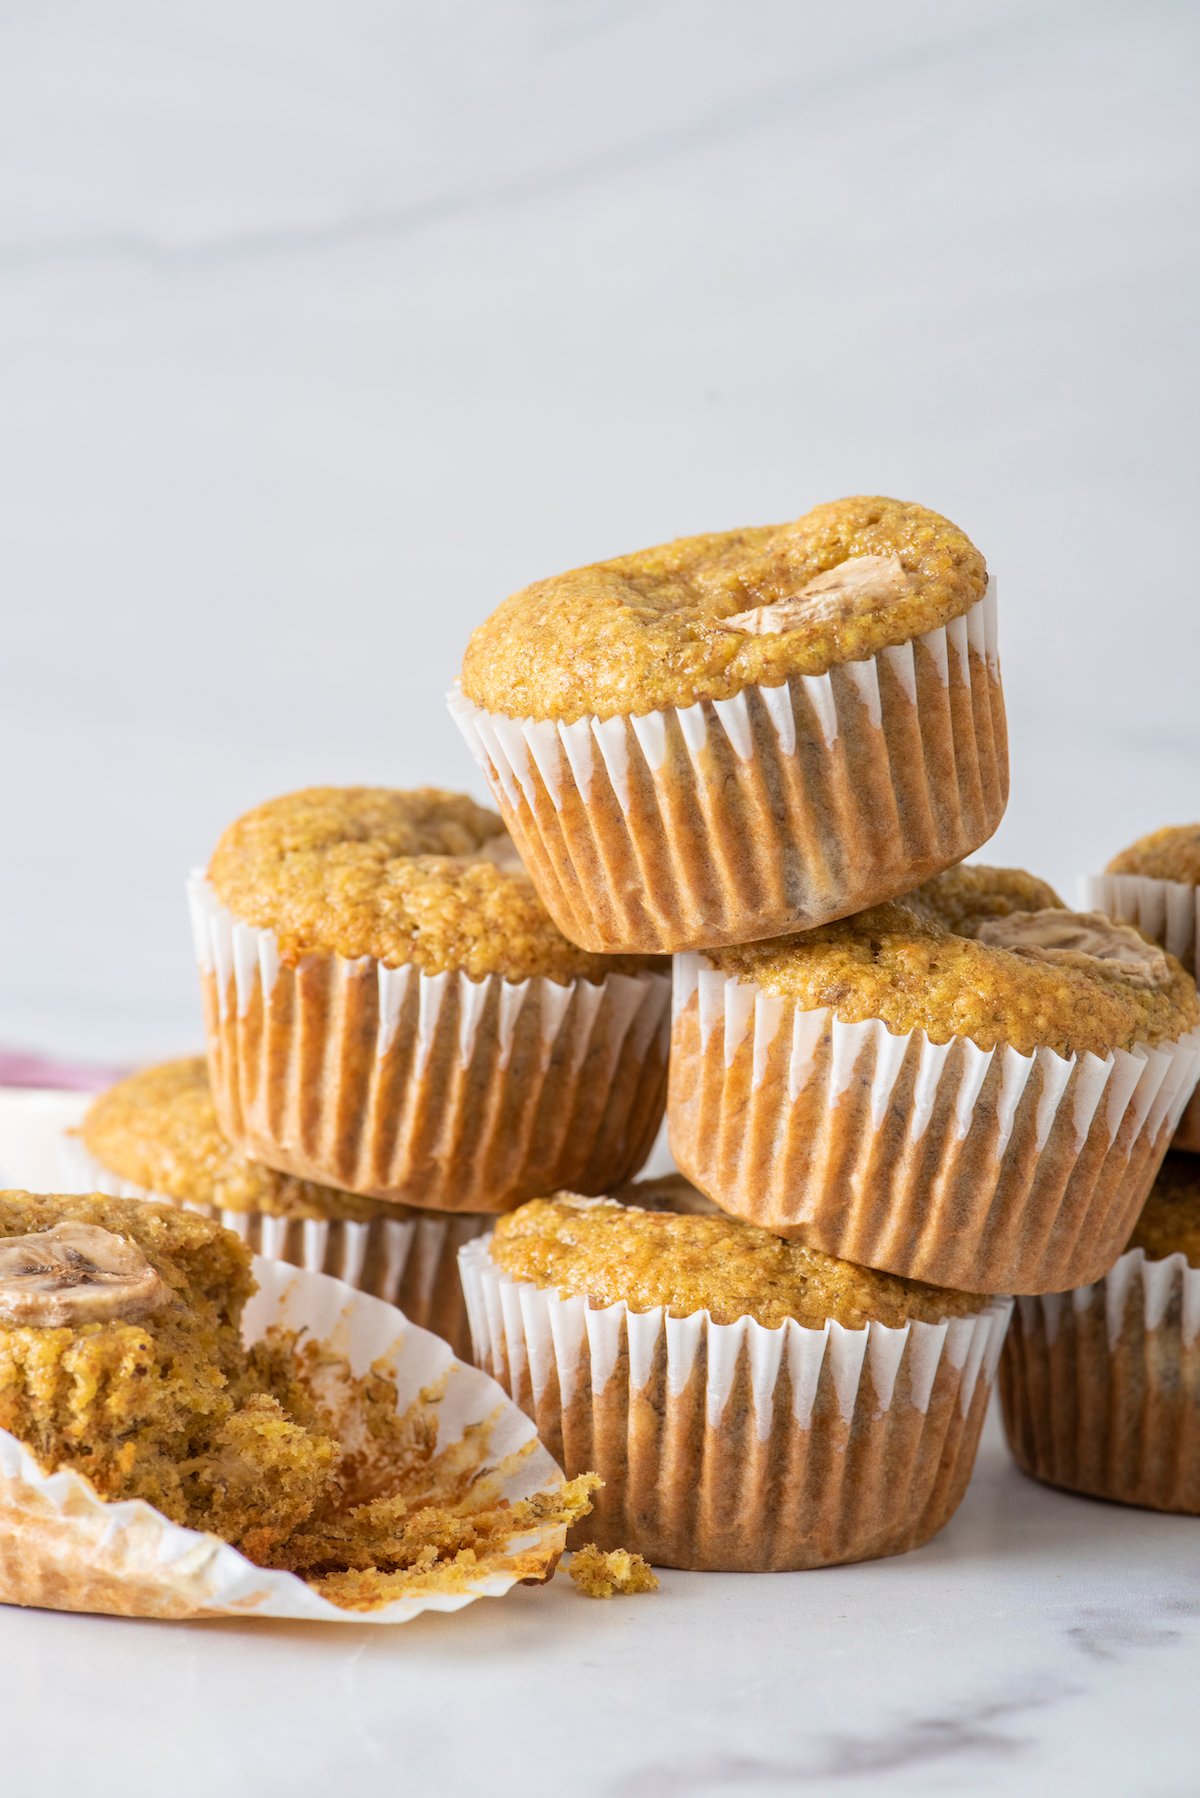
point(730, 1447)
point(984, 1170)
point(1100, 1387)
point(433, 1091)
point(777, 810)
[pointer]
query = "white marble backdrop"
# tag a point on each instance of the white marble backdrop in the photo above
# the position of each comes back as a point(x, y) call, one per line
point(324, 326)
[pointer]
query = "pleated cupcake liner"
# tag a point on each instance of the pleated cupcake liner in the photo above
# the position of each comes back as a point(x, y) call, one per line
point(64, 1548)
point(431, 1090)
point(1168, 911)
point(408, 1261)
point(773, 811)
point(986, 1170)
point(1100, 1387)
point(731, 1447)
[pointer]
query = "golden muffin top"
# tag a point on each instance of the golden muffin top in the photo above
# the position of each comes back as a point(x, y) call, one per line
point(423, 877)
point(158, 1129)
point(605, 1252)
point(703, 617)
point(1170, 1219)
point(1172, 853)
point(987, 953)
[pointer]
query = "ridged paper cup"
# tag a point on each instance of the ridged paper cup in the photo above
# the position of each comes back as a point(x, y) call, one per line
point(776, 810)
point(1168, 911)
point(410, 1261)
point(431, 1090)
point(985, 1170)
point(64, 1548)
point(1101, 1386)
point(731, 1447)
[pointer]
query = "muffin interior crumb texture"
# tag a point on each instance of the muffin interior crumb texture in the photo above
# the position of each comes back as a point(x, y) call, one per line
point(1172, 853)
point(986, 953)
point(703, 617)
point(1170, 1220)
point(278, 1448)
point(157, 1129)
point(608, 1252)
point(612, 1573)
point(424, 877)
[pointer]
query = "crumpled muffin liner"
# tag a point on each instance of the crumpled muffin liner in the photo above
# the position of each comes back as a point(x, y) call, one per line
point(985, 1170)
point(773, 811)
point(432, 1090)
point(410, 1261)
point(1168, 911)
point(64, 1548)
point(731, 1447)
point(1100, 1387)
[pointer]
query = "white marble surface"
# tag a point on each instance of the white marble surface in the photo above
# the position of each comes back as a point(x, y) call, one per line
point(320, 329)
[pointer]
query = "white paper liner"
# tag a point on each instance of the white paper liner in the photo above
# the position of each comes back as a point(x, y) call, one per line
point(1101, 1385)
point(549, 1351)
point(590, 1033)
point(171, 1571)
point(408, 1261)
point(939, 790)
point(1031, 1107)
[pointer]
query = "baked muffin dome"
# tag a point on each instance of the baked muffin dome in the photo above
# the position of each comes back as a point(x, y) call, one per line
point(423, 877)
point(1172, 853)
point(991, 954)
point(607, 1252)
point(704, 617)
point(1170, 1221)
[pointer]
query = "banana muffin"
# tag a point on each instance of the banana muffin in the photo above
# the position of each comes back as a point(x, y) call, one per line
point(730, 1387)
point(1155, 884)
point(391, 1011)
point(154, 1135)
point(971, 1085)
point(1101, 1386)
point(122, 1359)
point(747, 732)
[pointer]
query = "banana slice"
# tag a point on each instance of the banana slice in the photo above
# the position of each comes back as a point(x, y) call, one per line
point(76, 1274)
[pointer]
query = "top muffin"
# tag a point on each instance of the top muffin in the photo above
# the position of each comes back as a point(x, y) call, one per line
point(987, 953)
point(703, 617)
point(1169, 854)
point(609, 1252)
point(423, 877)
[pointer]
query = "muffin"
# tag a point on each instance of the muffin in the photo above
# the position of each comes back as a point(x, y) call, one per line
point(1155, 884)
point(972, 1085)
point(130, 1371)
point(745, 733)
point(155, 1136)
point(391, 1012)
point(1101, 1386)
point(749, 1404)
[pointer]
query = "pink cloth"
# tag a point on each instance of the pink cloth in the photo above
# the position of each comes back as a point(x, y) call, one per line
point(19, 1067)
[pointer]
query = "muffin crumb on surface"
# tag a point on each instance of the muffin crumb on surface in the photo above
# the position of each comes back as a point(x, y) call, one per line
point(614, 1573)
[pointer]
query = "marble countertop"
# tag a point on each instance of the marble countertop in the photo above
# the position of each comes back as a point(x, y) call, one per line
point(325, 327)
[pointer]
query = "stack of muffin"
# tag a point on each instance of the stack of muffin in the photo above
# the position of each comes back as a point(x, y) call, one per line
point(899, 1087)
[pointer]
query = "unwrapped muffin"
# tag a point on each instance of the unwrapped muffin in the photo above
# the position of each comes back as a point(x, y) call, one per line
point(1155, 884)
point(972, 1085)
point(1101, 1386)
point(154, 1135)
point(745, 733)
point(748, 1403)
point(391, 1011)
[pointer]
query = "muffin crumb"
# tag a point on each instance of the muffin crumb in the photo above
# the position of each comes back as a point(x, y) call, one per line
point(616, 1573)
